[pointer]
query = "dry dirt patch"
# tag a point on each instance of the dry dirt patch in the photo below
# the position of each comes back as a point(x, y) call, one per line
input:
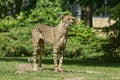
point(22, 68)
point(81, 78)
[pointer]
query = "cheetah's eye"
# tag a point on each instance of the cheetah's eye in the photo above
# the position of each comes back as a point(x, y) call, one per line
point(68, 19)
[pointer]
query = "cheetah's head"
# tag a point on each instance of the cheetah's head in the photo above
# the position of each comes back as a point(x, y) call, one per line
point(67, 20)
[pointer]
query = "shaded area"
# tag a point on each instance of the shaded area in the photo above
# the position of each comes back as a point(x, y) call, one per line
point(13, 7)
point(112, 48)
point(70, 61)
point(13, 59)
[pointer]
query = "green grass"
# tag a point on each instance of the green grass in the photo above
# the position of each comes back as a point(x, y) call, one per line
point(73, 70)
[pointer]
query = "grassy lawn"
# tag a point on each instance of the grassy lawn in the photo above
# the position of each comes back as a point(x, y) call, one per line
point(73, 70)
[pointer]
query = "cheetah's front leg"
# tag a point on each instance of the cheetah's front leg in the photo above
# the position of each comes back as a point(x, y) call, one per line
point(55, 51)
point(61, 59)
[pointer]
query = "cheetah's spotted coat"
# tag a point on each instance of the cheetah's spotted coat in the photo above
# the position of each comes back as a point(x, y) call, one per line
point(55, 36)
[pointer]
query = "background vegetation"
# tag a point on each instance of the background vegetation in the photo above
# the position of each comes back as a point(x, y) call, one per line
point(83, 42)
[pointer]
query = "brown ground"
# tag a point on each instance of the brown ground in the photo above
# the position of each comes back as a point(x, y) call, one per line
point(22, 68)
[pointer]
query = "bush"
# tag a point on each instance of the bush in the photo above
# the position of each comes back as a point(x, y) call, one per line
point(16, 43)
point(10, 22)
point(83, 42)
point(113, 33)
point(7, 23)
point(47, 12)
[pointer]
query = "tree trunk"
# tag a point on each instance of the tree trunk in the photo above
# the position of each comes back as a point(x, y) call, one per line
point(18, 5)
point(87, 15)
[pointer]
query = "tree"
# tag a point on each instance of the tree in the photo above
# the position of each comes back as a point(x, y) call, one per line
point(87, 14)
point(87, 11)
point(18, 5)
point(12, 7)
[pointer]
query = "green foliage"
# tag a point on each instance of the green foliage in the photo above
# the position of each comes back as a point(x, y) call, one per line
point(6, 7)
point(7, 23)
point(113, 3)
point(113, 34)
point(115, 14)
point(84, 42)
point(16, 43)
point(10, 22)
point(46, 12)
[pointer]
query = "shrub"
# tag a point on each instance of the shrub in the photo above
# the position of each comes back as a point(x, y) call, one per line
point(47, 12)
point(113, 33)
point(16, 43)
point(7, 23)
point(10, 22)
point(83, 42)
